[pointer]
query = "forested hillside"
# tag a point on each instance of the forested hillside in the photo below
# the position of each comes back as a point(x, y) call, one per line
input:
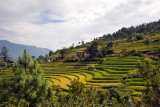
point(139, 31)
point(125, 39)
point(15, 50)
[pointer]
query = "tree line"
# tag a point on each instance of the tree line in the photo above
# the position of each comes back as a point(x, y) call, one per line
point(144, 29)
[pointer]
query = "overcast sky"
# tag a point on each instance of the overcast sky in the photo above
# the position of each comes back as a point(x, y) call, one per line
point(55, 24)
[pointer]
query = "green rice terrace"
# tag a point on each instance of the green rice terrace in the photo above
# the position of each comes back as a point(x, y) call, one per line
point(116, 72)
point(111, 73)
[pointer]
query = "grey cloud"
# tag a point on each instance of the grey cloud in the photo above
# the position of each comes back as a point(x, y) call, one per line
point(125, 14)
point(70, 21)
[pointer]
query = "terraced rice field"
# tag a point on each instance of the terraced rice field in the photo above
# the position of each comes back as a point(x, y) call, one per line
point(116, 67)
point(5, 74)
point(107, 75)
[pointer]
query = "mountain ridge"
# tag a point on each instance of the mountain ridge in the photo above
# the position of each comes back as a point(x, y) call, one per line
point(16, 50)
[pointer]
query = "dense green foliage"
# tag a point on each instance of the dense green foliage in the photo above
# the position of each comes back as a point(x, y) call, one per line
point(92, 50)
point(63, 52)
point(27, 87)
point(150, 73)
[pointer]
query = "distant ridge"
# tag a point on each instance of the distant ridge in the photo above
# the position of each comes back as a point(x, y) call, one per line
point(16, 50)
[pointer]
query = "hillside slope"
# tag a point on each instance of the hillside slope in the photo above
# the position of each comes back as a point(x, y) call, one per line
point(131, 38)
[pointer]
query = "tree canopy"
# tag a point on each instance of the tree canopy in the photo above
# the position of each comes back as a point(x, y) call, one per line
point(51, 53)
point(93, 49)
point(4, 53)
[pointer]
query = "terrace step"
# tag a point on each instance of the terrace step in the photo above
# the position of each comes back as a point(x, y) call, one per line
point(135, 80)
point(135, 88)
point(104, 85)
point(135, 83)
point(81, 78)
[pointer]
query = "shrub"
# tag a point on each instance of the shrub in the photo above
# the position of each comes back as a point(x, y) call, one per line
point(76, 87)
point(102, 60)
point(109, 52)
point(114, 93)
point(150, 73)
point(139, 37)
point(91, 68)
point(135, 53)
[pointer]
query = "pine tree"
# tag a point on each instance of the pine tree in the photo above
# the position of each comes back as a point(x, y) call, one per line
point(27, 87)
point(4, 53)
point(25, 61)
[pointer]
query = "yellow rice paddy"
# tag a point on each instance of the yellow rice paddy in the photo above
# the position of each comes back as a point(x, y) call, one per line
point(63, 82)
point(56, 82)
point(81, 78)
point(72, 77)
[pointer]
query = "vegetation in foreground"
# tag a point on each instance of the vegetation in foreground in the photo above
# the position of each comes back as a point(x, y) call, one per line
point(29, 88)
